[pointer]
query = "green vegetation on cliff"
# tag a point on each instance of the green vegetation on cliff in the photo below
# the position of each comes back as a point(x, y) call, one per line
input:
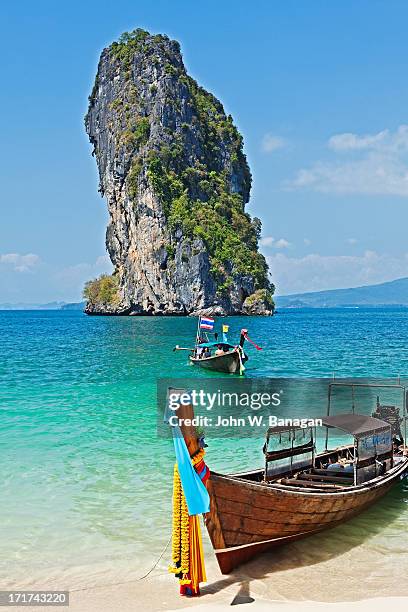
point(102, 290)
point(199, 198)
point(260, 295)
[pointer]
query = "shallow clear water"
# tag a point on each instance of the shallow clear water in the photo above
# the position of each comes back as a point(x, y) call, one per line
point(85, 484)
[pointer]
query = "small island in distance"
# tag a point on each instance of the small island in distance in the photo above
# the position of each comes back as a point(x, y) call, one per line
point(391, 293)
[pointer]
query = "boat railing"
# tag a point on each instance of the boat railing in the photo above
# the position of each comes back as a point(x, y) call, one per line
point(288, 458)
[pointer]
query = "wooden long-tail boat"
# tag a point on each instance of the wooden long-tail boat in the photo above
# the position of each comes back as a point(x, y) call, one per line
point(230, 362)
point(298, 492)
point(249, 516)
point(218, 355)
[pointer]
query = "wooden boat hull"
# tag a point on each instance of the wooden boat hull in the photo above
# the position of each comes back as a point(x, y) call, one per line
point(247, 518)
point(228, 363)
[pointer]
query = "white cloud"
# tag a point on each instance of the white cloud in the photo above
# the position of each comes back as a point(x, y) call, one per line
point(269, 241)
point(349, 142)
point(77, 274)
point(307, 242)
point(20, 263)
point(378, 165)
point(272, 143)
point(351, 240)
point(282, 244)
point(49, 282)
point(316, 272)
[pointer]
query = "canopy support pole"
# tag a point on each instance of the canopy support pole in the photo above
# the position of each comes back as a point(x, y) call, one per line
point(198, 330)
point(328, 414)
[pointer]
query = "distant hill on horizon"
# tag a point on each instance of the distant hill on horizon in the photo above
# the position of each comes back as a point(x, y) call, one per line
point(73, 306)
point(391, 293)
point(47, 306)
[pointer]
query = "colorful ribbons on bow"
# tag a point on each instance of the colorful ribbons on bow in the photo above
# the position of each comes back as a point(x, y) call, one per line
point(189, 501)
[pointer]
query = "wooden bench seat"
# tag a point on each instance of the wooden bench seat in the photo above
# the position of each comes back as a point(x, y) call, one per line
point(297, 482)
point(326, 478)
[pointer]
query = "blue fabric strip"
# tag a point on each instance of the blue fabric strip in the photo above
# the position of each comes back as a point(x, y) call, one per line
point(197, 498)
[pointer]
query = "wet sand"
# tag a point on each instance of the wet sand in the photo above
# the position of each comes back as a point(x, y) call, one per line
point(275, 581)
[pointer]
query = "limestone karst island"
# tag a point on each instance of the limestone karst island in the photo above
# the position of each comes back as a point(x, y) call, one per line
point(176, 181)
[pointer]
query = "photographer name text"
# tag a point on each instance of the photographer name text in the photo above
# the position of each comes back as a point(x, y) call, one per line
point(251, 420)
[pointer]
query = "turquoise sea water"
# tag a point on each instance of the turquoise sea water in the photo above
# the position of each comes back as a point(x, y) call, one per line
point(85, 483)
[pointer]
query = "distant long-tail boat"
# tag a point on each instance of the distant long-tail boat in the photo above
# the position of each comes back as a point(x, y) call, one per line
point(217, 355)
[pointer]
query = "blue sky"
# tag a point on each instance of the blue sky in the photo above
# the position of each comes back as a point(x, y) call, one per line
point(318, 89)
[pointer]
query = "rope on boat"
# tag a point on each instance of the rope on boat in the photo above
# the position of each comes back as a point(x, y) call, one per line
point(157, 561)
point(103, 586)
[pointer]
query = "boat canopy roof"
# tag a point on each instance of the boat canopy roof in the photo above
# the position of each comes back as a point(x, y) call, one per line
point(212, 344)
point(282, 428)
point(355, 424)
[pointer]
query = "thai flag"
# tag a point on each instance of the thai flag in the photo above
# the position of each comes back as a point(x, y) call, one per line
point(206, 323)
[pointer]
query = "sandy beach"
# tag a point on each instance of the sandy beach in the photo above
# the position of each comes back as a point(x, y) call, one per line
point(277, 581)
point(159, 593)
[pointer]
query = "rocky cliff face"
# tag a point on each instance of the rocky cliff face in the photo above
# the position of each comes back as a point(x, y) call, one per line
point(176, 181)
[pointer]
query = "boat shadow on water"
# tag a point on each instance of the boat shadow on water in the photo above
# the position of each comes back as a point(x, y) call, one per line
point(321, 548)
